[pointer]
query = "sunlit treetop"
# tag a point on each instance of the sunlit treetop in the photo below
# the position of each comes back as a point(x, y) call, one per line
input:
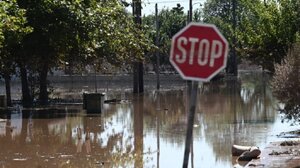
point(12, 21)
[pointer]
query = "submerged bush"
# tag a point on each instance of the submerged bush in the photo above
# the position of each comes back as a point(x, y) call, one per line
point(286, 80)
point(291, 113)
point(286, 83)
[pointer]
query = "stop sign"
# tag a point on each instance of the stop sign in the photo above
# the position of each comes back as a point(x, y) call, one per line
point(199, 52)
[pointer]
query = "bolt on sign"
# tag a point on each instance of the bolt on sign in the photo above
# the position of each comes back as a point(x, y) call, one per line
point(199, 52)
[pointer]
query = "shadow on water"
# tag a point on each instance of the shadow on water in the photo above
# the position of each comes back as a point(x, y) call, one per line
point(146, 130)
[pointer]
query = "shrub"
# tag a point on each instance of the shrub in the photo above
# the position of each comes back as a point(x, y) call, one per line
point(286, 80)
point(286, 84)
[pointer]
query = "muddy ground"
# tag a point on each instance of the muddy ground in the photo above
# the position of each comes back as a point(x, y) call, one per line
point(282, 154)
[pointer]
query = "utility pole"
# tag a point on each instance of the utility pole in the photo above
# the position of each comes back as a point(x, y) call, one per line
point(188, 17)
point(157, 45)
point(191, 11)
point(95, 66)
point(234, 59)
point(138, 67)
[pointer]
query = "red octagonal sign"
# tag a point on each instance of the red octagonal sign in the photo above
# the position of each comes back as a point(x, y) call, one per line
point(199, 52)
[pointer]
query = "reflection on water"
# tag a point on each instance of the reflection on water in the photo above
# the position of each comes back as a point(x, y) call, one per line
point(146, 131)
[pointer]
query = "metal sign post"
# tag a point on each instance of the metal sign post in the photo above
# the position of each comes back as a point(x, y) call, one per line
point(198, 53)
point(189, 133)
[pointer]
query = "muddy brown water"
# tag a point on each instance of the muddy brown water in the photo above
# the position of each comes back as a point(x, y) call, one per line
point(146, 130)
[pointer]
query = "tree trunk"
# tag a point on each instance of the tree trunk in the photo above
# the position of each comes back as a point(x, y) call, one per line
point(7, 87)
point(138, 67)
point(157, 44)
point(141, 77)
point(138, 122)
point(26, 96)
point(43, 95)
point(135, 78)
point(25, 121)
point(234, 59)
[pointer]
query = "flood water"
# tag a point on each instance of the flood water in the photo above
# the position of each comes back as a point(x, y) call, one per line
point(146, 130)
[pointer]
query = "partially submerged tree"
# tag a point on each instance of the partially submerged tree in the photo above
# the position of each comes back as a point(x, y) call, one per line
point(170, 22)
point(78, 32)
point(264, 32)
point(13, 28)
point(286, 80)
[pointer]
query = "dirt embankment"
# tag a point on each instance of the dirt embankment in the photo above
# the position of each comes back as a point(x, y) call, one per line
point(284, 154)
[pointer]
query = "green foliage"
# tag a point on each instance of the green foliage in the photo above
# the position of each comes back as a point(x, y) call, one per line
point(198, 13)
point(265, 30)
point(12, 30)
point(45, 34)
point(12, 25)
point(170, 22)
point(116, 38)
point(85, 32)
point(258, 35)
point(218, 12)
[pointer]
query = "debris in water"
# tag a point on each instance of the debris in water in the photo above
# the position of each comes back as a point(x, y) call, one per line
point(66, 156)
point(3, 120)
point(100, 163)
point(280, 153)
point(289, 143)
point(19, 159)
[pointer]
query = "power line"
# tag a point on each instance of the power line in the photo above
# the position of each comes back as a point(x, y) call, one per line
point(170, 1)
